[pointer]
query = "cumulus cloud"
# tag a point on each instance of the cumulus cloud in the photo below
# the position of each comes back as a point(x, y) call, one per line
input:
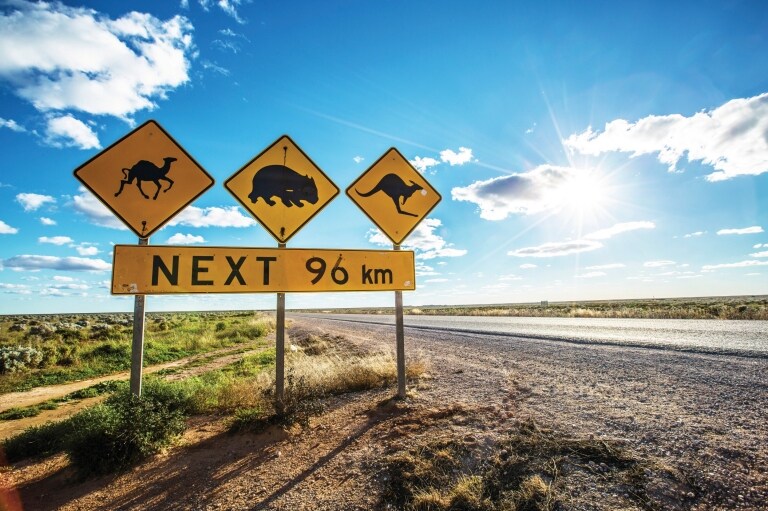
point(74, 58)
point(7, 229)
point(741, 264)
point(33, 201)
point(452, 158)
point(96, 212)
point(185, 239)
point(764, 253)
point(228, 216)
point(358, 159)
point(67, 131)
point(47, 221)
point(524, 193)
point(17, 289)
point(731, 138)
point(87, 250)
point(695, 234)
point(55, 240)
point(755, 229)
point(423, 164)
point(43, 262)
point(586, 244)
point(528, 266)
point(423, 240)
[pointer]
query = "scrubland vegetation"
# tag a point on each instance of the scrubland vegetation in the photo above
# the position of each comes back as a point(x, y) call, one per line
point(737, 307)
point(124, 429)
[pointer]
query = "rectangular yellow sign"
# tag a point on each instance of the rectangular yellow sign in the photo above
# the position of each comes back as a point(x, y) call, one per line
point(148, 269)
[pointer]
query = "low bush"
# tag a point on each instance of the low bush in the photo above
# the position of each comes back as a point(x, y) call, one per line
point(19, 358)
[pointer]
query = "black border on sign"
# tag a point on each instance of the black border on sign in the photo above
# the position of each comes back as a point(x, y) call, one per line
point(336, 250)
point(439, 197)
point(248, 210)
point(161, 224)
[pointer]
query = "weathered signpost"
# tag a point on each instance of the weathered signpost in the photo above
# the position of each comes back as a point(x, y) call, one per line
point(396, 198)
point(283, 189)
point(145, 179)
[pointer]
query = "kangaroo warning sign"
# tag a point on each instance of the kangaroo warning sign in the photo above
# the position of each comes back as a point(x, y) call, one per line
point(393, 195)
point(145, 178)
point(282, 188)
point(155, 269)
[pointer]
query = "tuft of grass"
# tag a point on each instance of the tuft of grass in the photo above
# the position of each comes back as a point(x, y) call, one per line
point(532, 469)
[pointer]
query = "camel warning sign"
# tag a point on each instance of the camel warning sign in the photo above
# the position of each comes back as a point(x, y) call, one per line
point(394, 195)
point(282, 188)
point(145, 178)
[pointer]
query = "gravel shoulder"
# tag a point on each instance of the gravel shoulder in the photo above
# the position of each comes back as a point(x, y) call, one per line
point(699, 417)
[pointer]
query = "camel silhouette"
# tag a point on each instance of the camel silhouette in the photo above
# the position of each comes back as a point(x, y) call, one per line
point(393, 186)
point(147, 171)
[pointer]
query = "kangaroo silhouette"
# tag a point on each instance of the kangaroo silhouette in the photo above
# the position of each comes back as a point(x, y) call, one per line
point(147, 171)
point(393, 186)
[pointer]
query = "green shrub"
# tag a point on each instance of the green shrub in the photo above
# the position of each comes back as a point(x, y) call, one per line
point(37, 440)
point(126, 429)
point(19, 358)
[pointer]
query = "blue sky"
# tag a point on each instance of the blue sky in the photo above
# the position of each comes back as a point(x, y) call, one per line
point(584, 150)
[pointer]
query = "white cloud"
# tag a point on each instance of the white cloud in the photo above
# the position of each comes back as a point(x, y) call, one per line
point(185, 239)
point(591, 275)
point(611, 266)
point(74, 58)
point(55, 240)
point(17, 289)
point(11, 125)
point(586, 244)
point(755, 229)
point(7, 229)
point(610, 232)
point(67, 131)
point(228, 216)
point(87, 250)
point(47, 221)
point(657, 264)
point(423, 164)
point(525, 193)
point(528, 266)
point(434, 281)
point(764, 253)
point(358, 159)
point(742, 264)
point(695, 234)
point(510, 276)
point(423, 240)
point(42, 262)
point(96, 212)
point(62, 278)
point(463, 156)
point(33, 201)
point(730, 138)
point(760, 245)
point(556, 249)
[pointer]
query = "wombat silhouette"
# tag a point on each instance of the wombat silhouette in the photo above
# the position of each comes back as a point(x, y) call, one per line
point(284, 183)
point(147, 171)
point(393, 186)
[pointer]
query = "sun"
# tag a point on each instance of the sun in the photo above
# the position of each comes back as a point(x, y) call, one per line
point(584, 191)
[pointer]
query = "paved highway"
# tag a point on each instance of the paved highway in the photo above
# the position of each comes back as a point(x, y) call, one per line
point(745, 338)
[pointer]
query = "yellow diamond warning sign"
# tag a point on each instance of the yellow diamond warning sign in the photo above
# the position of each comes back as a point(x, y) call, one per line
point(394, 195)
point(282, 188)
point(145, 178)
